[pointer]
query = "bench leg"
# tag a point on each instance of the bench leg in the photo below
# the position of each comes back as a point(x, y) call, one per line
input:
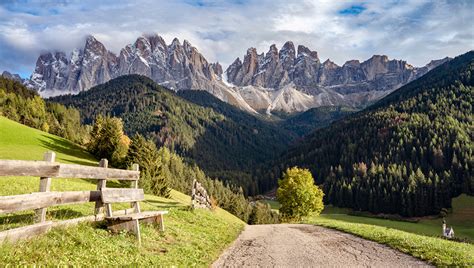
point(136, 231)
point(162, 223)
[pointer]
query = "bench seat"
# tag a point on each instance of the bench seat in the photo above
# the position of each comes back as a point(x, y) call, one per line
point(137, 216)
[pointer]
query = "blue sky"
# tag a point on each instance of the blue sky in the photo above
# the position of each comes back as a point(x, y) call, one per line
point(414, 30)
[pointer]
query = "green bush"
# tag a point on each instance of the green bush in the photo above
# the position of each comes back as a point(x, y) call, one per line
point(298, 195)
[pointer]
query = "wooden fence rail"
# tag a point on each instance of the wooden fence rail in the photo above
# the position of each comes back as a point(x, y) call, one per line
point(58, 170)
point(40, 201)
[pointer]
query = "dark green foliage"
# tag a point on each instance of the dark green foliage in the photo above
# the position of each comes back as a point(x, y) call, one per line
point(25, 106)
point(108, 140)
point(154, 173)
point(306, 122)
point(180, 175)
point(409, 154)
point(263, 214)
point(223, 140)
point(12, 86)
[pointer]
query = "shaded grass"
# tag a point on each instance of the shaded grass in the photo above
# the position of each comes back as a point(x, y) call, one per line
point(437, 251)
point(192, 238)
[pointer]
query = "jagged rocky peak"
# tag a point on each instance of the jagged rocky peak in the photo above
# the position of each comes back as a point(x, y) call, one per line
point(306, 52)
point(354, 83)
point(178, 66)
point(11, 76)
point(287, 52)
point(328, 64)
point(352, 63)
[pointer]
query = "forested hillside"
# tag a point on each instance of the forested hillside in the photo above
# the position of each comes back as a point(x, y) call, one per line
point(291, 125)
point(25, 106)
point(306, 122)
point(225, 144)
point(408, 154)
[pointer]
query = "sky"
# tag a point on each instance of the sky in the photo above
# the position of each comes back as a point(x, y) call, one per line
point(413, 30)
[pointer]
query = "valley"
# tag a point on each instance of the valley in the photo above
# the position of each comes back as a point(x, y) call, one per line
point(205, 133)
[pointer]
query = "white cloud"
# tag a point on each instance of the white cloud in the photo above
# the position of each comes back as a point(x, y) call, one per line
point(414, 30)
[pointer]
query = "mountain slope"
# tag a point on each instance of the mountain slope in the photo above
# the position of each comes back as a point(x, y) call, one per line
point(88, 243)
point(292, 79)
point(221, 143)
point(409, 154)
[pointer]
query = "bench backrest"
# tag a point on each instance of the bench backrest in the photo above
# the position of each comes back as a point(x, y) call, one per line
point(121, 195)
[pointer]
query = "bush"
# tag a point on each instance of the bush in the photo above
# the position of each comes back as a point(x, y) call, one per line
point(298, 195)
point(262, 214)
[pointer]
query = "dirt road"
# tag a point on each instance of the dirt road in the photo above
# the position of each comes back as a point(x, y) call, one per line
point(301, 245)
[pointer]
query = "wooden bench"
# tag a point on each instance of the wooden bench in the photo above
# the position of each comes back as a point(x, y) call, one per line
point(129, 221)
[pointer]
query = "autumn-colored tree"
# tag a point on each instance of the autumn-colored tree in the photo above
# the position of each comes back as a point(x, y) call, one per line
point(298, 195)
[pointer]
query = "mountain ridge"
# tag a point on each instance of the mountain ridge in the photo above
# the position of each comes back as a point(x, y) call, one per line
point(286, 80)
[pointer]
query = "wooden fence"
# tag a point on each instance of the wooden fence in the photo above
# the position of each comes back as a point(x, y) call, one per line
point(199, 197)
point(39, 201)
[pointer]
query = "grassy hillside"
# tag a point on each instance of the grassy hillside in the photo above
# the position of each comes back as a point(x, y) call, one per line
point(191, 238)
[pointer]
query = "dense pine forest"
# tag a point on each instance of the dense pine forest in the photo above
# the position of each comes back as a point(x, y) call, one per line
point(408, 154)
point(225, 141)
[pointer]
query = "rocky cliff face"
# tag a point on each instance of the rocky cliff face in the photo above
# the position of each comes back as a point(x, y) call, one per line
point(295, 81)
point(287, 80)
point(11, 76)
point(177, 66)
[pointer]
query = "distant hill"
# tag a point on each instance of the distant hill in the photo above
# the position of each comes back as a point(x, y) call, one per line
point(408, 154)
point(306, 122)
point(224, 140)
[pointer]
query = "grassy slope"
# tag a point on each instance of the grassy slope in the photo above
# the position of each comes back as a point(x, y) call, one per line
point(191, 238)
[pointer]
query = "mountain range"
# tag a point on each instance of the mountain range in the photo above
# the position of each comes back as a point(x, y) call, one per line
point(407, 154)
point(286, 80)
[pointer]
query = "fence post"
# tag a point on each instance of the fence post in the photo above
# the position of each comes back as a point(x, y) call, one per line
point(193, 194)
point(45, 186)
point(135, 205)
point(99, 207)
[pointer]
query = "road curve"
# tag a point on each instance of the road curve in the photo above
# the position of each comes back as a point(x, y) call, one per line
point(303, 245)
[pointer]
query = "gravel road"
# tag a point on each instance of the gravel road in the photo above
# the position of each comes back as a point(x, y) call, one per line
point(302, 245)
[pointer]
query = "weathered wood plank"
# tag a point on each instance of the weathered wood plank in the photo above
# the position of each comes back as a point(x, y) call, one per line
point(57, 170)
point(134, 185)
point(22, 202)
point(16, 234)
point(101, 184)
point(45, 186)
point(121, 195)
point(28, 168)
point(90, 218)
point(135, 216)
point(76, 171)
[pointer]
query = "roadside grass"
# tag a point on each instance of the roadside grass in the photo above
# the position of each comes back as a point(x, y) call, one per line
point(437, 251)
point(191, 238)
point(461, 218)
